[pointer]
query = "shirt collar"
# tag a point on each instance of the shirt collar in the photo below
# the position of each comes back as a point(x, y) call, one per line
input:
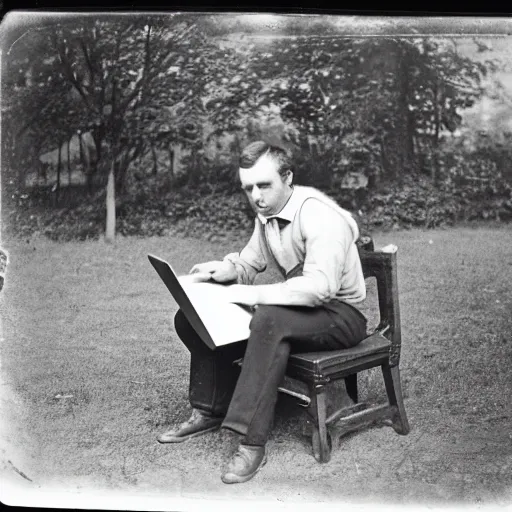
point(289, 209)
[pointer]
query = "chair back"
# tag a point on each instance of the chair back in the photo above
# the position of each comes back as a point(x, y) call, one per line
point(383, 266)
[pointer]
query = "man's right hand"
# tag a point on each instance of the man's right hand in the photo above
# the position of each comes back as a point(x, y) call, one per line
point(221, 271)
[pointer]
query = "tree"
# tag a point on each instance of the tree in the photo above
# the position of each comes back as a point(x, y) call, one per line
point(140, 85)
point(118, 69)
point(357, 104)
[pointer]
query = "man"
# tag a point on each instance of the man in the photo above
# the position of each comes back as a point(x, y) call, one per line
point(312, 241)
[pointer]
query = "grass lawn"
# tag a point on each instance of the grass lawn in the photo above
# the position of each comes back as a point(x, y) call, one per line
point(92, 371)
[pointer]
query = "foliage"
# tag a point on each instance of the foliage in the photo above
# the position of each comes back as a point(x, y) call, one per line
point(212, 214)
point(135, 81)
point(146, 85)
point(417, 203)
point(375, 104)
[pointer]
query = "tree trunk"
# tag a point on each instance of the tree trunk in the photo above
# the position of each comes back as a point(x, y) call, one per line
point(98, 135)
point(85, 163)
point(403, 145)
point(89, 182)
point(155, 160)
point(435, 146)
point(411, 132)
point(18, 151)
point(171, 164)
point(85, 154)
point(110, 230)
point(123, 161)
point(59, 165)
point(44, 173)
point(194, 176)
point(69, 164)
point(82, 160)
point(384, 160)
point(120, 168)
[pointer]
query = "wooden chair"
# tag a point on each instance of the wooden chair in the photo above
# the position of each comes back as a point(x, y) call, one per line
point(381, 348)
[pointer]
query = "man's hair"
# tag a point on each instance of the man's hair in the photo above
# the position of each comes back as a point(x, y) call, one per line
point(254, 151)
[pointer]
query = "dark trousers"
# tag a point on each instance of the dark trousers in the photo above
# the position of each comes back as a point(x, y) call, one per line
point(246, 399)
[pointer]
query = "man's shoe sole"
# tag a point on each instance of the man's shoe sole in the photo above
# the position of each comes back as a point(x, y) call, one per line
point(181, 439)
point(241, 479)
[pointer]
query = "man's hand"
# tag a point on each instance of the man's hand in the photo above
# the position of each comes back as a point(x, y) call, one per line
point(220, 271)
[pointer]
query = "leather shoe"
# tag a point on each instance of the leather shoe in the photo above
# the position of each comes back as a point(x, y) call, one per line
point(244, 464)
point(198, 424)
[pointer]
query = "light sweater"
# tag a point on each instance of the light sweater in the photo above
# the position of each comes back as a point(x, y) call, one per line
point(318, 256)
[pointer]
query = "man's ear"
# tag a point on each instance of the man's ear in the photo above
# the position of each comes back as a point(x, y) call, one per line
point(289, 178)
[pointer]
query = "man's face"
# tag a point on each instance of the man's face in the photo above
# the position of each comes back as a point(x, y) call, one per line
point(264, 187)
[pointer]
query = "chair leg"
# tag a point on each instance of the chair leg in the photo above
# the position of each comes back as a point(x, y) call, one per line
point(321, 439)
point(351, 385)
point(394, 390)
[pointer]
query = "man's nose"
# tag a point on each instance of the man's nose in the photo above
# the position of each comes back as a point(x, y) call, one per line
point(256, 194)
